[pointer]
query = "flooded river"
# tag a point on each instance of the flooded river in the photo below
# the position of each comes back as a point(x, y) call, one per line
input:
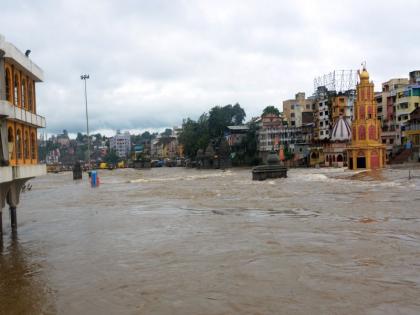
point(177, 241)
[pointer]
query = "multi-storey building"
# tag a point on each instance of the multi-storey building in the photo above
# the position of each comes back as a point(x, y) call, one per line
point(342, 105)
point(272, 133)
point(399, 97)
point(386, 110)
point(407, 101)
point(268, 133)
point(19, 122)
point(121, 143)
point(321, 114)
point(412, 129)
point(414, 77)
point(298, 110)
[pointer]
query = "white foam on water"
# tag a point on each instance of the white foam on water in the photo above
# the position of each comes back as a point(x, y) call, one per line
point(181, 178)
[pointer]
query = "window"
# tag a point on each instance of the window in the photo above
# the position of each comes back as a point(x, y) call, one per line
point(16, 90)
point(33, 146)
point(372, 132)
point(30, 108)
point(8, 80)
point(10, 139)
point(292, 107)
point(391, 141)
point(384, 141)
point(362, 133)
point(321, 123)
point(18, 144)
point(23, 95)
point(26, 144)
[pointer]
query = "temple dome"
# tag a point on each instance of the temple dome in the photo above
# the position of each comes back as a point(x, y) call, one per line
point(364, 75)
point(341, 130)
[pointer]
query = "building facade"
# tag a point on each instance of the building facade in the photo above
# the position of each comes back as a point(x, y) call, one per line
point(272, 134)
point(322, 114)
point(386, 100)
point(298, 110)
point(342, 106)
point(366, 150)
point(412, 132)
point(121, 143)
point(19, 122)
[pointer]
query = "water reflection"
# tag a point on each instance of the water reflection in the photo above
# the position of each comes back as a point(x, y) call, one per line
point(22, 289)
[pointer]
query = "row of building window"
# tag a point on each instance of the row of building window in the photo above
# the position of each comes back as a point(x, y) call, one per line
point(19, 90)
point(23, 147)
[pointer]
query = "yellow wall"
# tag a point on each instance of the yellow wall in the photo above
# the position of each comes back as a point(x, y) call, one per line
point(28, 149)
point(365, 119)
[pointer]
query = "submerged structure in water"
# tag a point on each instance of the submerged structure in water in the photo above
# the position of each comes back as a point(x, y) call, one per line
point(272, 169)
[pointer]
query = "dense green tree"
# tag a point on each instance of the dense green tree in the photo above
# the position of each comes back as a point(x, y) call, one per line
point(271, 110)
point(221, 117)
point(167, 132)
point(194, 135)
point(142, 138)
point(146, 136)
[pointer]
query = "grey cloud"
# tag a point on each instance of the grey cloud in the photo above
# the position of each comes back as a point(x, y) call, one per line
point(153, 63)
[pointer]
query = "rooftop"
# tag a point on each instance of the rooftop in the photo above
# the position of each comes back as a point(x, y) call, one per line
point(20, 59)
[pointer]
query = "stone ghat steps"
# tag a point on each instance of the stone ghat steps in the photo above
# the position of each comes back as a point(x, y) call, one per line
point(402, 157)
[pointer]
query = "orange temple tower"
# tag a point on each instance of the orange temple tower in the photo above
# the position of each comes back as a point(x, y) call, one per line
point(366, 150)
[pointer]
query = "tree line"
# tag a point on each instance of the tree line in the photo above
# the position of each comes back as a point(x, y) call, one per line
point(211, 127)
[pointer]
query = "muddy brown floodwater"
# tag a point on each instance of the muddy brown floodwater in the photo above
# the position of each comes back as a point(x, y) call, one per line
point(178, 241)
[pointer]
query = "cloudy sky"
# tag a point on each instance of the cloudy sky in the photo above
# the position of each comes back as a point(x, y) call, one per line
point(153, 63)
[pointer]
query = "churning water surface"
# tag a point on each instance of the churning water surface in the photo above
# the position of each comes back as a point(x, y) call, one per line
point(183, 241)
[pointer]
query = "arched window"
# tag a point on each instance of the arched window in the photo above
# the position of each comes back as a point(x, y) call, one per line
point(11, 141)
point(23, 93)
point(26, 144)
point(339, 158)
point(16, 90)
point(8, 80)
point(30, 96)
point(372, 132)
point(18, 144)
point(362, 112)
point(33, 146)
point(362, 132)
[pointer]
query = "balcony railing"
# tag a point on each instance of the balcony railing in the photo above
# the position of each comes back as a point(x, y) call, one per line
point(21, 115)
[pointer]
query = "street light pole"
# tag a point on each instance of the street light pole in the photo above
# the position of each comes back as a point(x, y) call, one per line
point(84, 77)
